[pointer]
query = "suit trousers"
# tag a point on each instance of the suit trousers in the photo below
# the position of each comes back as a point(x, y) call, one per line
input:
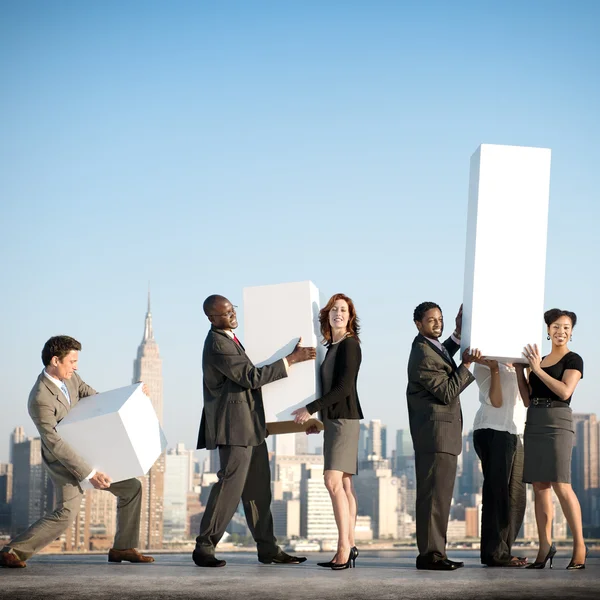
point(68, 500)
point(501, 455)
point(436, 472)
point(244, 474)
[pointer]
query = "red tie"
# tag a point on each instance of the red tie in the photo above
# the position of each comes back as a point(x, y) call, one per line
point(236, 340)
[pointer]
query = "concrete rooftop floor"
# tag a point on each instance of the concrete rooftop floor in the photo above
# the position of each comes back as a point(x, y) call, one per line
point(383, 574)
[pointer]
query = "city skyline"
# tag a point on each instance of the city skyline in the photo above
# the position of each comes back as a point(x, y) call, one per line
point(136, 135)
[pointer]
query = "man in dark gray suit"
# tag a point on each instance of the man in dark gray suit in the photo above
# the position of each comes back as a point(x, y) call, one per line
point(434, 385)
point(233, 420)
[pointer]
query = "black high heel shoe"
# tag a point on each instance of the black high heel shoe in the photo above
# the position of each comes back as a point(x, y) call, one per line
point(574, 566)
point(347, 565)
point(354, 555)
point(549, 557)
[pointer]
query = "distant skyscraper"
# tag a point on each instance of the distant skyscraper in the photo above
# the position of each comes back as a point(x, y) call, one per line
point(584, 465)
point(377, 496)
point(16, 437)
point(6, 471)
point(316, 512)
point(363, 438)
point(147, 367)
point(374, 441)
point(177, 484)
point(33, 492)
point(471, 479)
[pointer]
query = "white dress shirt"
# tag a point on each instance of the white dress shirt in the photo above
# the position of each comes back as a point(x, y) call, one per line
point(85, 483)
point(511, 415)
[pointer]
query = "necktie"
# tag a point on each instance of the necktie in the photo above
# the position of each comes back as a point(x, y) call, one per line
point(445, 351)
point(65, 391)
point(235, 339)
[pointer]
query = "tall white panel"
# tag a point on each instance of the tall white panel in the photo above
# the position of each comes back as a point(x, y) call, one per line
point(275, 316)
point(505, 263)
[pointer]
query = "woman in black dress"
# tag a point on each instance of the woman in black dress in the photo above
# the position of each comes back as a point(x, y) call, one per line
point(549, 434)
point(341, 414)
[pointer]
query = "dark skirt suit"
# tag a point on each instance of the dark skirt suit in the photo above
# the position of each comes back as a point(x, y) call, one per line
point(340, 406)
point(549, 432)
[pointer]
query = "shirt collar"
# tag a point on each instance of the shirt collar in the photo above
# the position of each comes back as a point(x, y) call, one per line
point(57, 382)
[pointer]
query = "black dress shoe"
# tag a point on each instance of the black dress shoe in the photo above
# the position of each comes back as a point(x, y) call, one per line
point(281, 558)
point(457, 563)
point(207, 560)
point(438, 565)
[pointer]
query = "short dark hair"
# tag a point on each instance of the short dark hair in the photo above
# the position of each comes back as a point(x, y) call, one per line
point(209, 304)
point(552, 315)
point(423, 308)
point(59, 346)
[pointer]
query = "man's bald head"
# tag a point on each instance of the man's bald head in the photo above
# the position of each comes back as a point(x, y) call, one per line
point(220, 312)
point(210, 304)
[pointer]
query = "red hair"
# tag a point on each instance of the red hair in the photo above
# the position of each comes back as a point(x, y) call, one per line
point(353, 326)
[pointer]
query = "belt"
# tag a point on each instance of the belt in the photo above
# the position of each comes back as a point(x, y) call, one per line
point(547, 403)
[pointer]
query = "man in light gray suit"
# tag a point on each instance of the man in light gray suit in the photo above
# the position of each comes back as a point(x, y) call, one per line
point(57, 389)
point(434, 385)
point(233, 420)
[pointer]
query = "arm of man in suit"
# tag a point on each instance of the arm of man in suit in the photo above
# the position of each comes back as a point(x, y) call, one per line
point(44, 419)
point(443, 386)
point(348, 359)
point(240, 369)
point(84, 389)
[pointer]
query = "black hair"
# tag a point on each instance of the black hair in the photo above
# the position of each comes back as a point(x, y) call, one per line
point(423, 308)
point(59, 346)
point(552, 315)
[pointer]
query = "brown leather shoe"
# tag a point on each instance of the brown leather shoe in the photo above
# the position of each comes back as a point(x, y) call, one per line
point(12, 561)
point(130, 555)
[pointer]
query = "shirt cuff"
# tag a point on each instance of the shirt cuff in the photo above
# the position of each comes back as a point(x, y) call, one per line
point(85, 483)
point(285, 362)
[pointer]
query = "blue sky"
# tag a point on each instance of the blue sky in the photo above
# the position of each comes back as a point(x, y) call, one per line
point(208, 146)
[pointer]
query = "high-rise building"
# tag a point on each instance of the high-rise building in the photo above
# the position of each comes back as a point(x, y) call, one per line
point(101, 507)
point(584, 466)
point(471, 479)
point(374, 440)
point(363, 438)
point(33, 491)
point(147, 367)
point(16, 437)
point(405, 456)
point(377, 497)
point(316, 512)
point(286, 473)
point(6, 486)
point(177, 484)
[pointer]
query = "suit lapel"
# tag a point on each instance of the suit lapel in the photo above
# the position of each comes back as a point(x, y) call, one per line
point(438, 351)
point(222, 332)
point(55, 391)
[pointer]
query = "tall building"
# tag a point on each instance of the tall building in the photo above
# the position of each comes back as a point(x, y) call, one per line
point(33, 491)
point(377, 497)
point(6, 475)
point(470, 480)
point(316, 512)
point(147, 367)
point(178, 463)
point(363, 438)
point(374, 440)
point(101, 509)
point(16, 437)
point(584, 466)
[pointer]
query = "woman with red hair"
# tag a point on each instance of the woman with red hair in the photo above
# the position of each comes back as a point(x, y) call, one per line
point(341, 413)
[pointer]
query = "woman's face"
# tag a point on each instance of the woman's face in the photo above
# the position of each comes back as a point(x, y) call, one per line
point(339, 315)
point(560, 331)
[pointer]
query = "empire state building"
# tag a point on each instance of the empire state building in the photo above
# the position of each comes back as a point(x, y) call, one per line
point(147, 367)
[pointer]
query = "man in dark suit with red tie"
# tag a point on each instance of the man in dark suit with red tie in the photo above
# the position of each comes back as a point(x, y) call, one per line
point(233, 420)
point(434, 385)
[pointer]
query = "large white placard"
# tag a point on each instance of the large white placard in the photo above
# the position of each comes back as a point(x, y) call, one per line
point(275, 317)
point(117, 432)
point(505, 264)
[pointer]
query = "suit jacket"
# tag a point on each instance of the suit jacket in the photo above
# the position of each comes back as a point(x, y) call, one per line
point(233, 413)
point(341, 402)
point(48, 407)
point(434, 385)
